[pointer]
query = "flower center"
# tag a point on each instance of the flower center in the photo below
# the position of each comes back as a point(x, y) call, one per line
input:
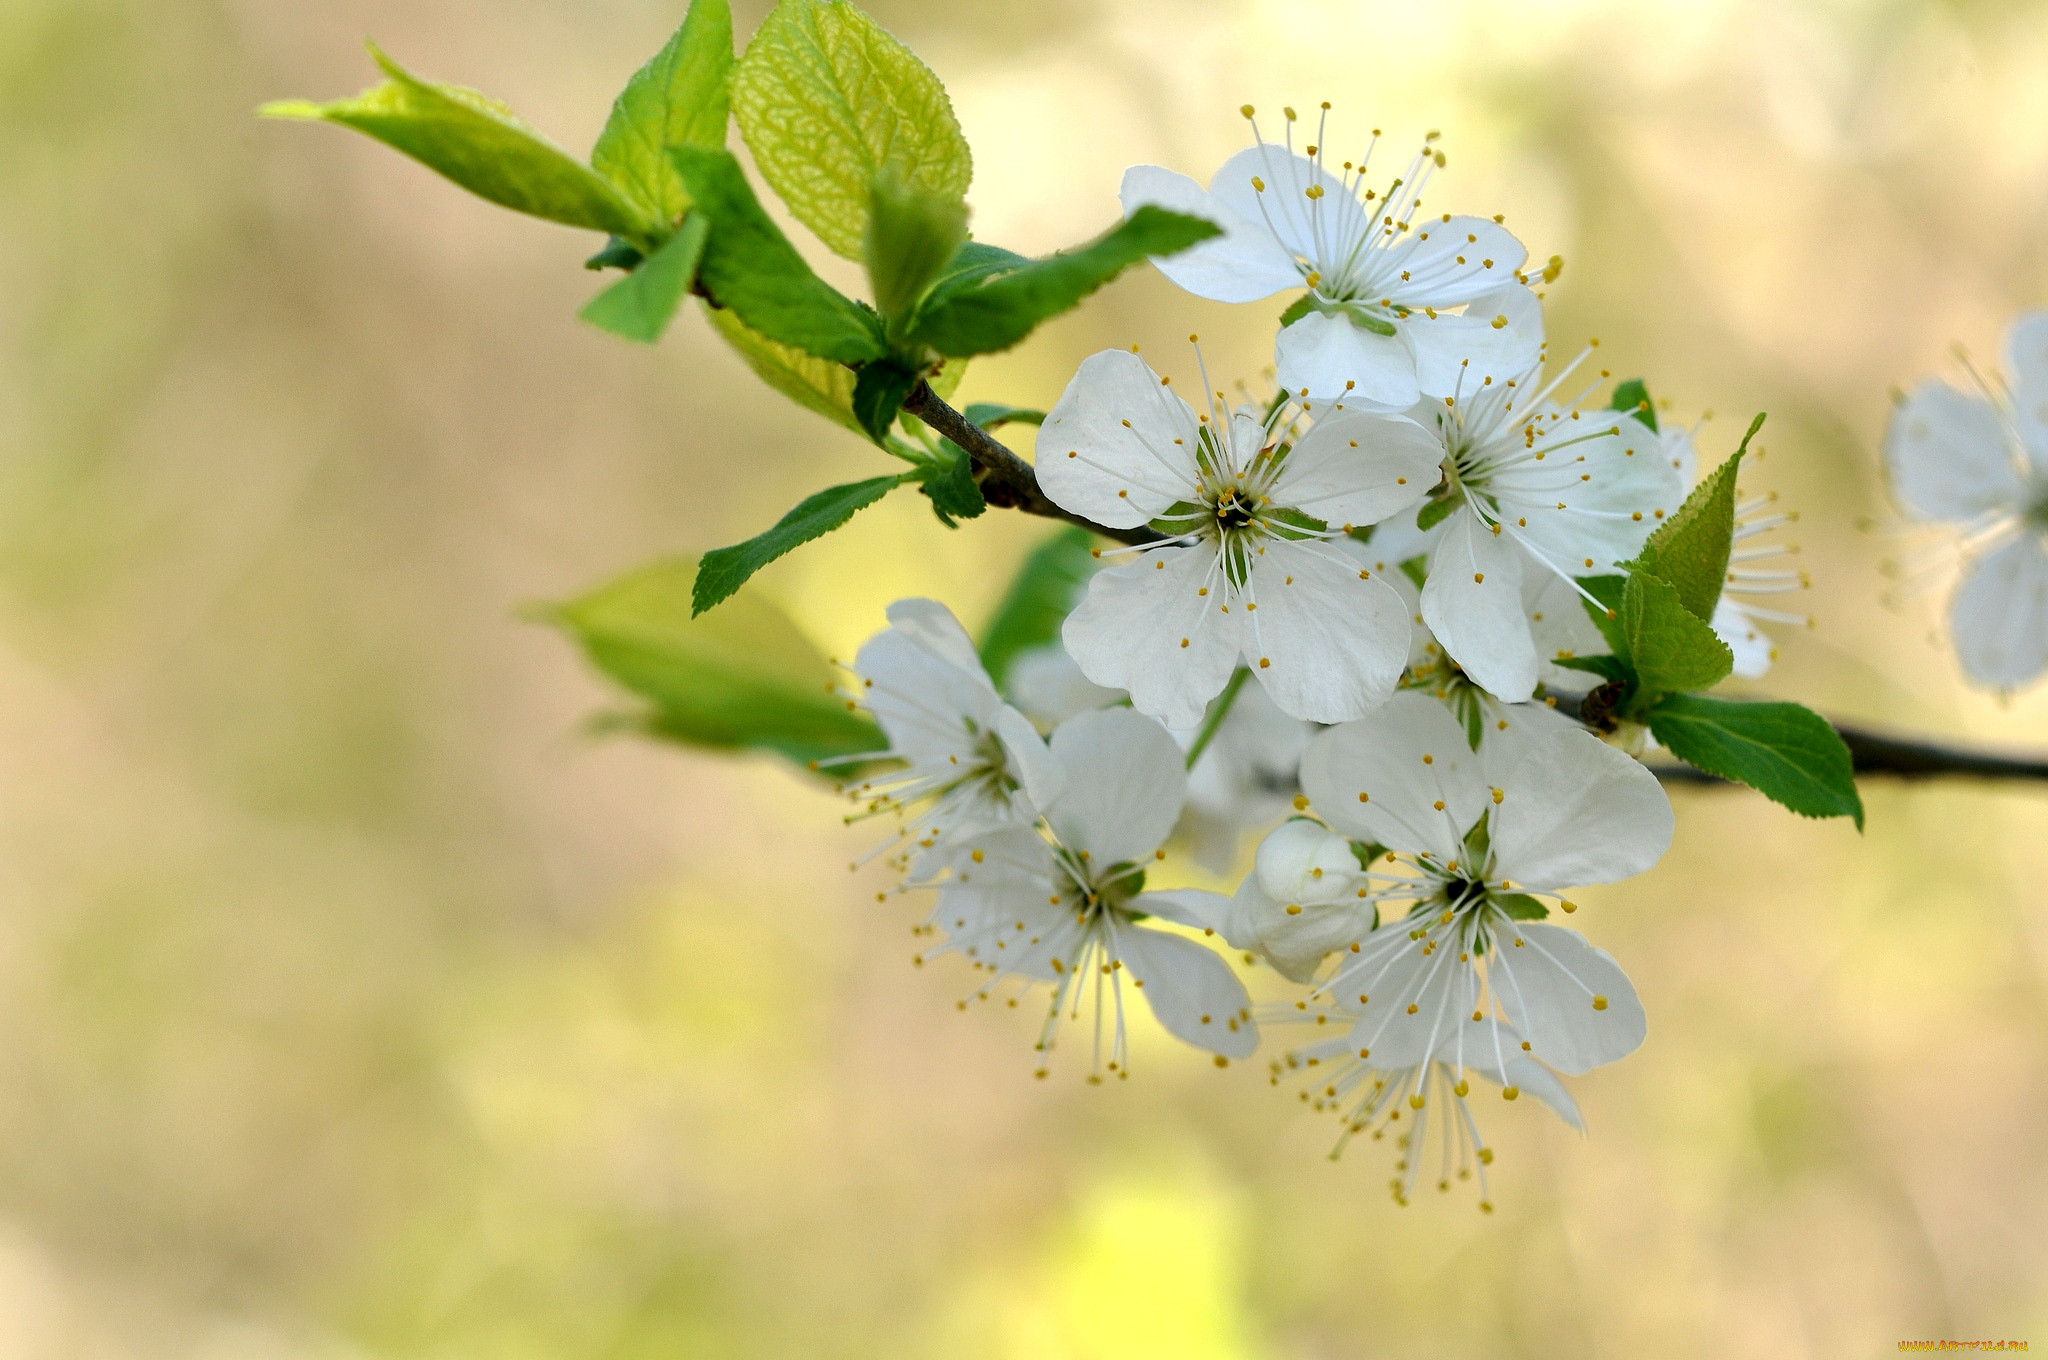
point(1234, 510)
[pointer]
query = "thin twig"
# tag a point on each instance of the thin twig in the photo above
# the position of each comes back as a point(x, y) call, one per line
point(1006, 480)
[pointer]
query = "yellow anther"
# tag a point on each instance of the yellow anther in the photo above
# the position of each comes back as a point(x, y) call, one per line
point(1499, 794)
point(1301, 802)
point(1510, 1092)
point(1599, 1003)
point(1246, 109)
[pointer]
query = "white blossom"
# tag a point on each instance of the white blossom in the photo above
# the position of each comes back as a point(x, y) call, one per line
point(1396, 301)
point(969, 760)
point(1246, 575)
point(1065, 903)
point(1529, 486)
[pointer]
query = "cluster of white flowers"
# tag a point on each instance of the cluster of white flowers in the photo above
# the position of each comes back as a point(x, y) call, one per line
point(1336, 634)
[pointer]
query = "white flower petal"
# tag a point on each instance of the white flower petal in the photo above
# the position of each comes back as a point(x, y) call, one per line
point(1949, 455)
point(1128, 630)
point(1494, 1051)
point(1308, 227)
point(1410, 804)
point(1550, 985)
point(1450, 262)
point(1326, 643)
point(2026, 360)
point(1559, 626)
point(1415, 1002)
point(1049, 687)
point(1457, 353)
point(1242, 265)
point(1119, 446)
point(1333, 360)
point(931, 700)
point(1753, 648)
point(2000, 615)
point(1192, 991)
point(1124, 786)
point(932, 626)
point(1473, 604)
point(1359, 467)
point(1034, 765)
point(1288, 912)
point(1607, 469)
point(1185, 906)
point(1574, 810)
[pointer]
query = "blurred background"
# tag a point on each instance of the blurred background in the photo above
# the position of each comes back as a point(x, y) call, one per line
point(354, 1003)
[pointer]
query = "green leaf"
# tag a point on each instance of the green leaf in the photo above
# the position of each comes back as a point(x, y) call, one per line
point(678, 98)
point(825, 99)
point(1416, 569)
point(878, 394)
point(751, 267)
point(1040, 597)
point(1003, 308)
point(640, 305)
point(1783, 751)
point(1669, 647)
point(912, 237)
point(1606, 615)
point(1297, 309)
point(973, 263)
point(618, 253)
point(743, 678)
point(1690, 549)
point(990, 415)
point(1519, 906)
point(727, 569)
point(815, 384)
point(1435, 512)
point(478, 143)
point(951, 487)
point(1606, 667)
point(1632, 396)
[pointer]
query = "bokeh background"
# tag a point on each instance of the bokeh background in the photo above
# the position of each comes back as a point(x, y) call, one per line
point(355, 1003)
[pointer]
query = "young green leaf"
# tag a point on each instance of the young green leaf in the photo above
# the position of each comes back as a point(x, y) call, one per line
point(1604, 609)
point(991, 414)
point(477, 142)
point(999, 311)
point(1297, 309)
point(1416, 569)
point(912, 236)
point(751, 267)
point(678, 98)
point(1783, 751)
point(1435, 512)
point(825, 99)
point(1040, 597)
point(815, 384)
point(639, 306)
point(727, 569)
point(1519, 906)
point(878, 394)
point(1690, 549)
point(972, 264)
point(1633, 397)
point(1602, 665)
point(1669, 648)
point(951, 487)
point(743, 678)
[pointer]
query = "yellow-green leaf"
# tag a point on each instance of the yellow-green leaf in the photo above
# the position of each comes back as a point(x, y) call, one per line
point(679, 98)
point(478, 143)
point(815, 384)
point(825, 98)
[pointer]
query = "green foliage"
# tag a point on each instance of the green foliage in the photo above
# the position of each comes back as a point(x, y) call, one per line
point(1633, 397)
point(1606, 614)
point(973, 263)
point(1435, 512)
point(638, 307)
point(1690, 549)
point(1519, 906)
point(725, 570)
point(743, 678)
point(1043, 593)
point(1605, 666)
point(1297, 309)
point(478, 143)
point(815, 384)
point(912, 236)
point(1669, 648)
point(1416, 569)
point(1786, 752)
point(951, 487)
point(991, 415)
point(878, 394)
point(825, 99)
point(751, 267)
point(678, 98)
point(1000, 309)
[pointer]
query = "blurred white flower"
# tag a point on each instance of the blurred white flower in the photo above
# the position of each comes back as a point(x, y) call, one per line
point(1066, 904)
point(1245, 779)
point(1247, 574)
point(1380, 323)
point(1531, 486)
point(1472, 843)
point(970, 761)
point(1979, 461)
point(1048, 686)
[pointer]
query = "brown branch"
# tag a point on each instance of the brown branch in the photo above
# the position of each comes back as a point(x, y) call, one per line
point(1005, 479)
